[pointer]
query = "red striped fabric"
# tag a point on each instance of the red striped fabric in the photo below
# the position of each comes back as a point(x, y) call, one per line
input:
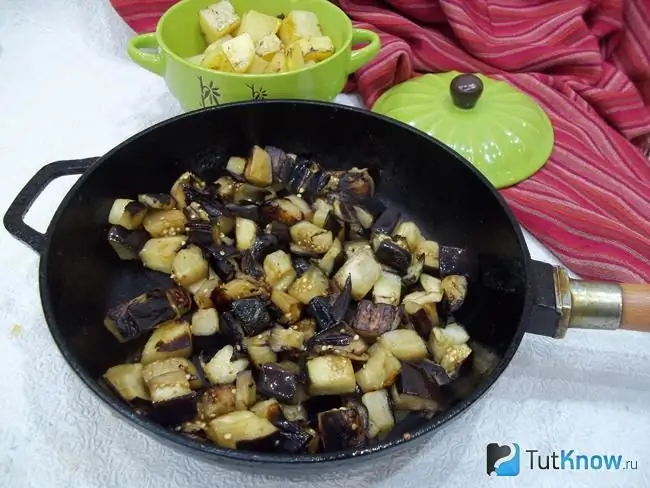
point(587, 62)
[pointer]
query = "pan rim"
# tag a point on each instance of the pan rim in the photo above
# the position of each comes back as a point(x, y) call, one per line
point(216, 453)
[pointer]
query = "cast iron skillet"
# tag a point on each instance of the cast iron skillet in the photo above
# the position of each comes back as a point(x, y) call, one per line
point(81, 277)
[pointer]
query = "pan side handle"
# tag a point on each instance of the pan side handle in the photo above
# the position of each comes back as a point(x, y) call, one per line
point(14, 218)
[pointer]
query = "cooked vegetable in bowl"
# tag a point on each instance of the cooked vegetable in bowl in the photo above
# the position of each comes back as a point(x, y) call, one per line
point(306, 316)
point(257, 43)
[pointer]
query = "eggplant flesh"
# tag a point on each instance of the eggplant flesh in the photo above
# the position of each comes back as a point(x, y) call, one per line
point(341, 429)
point(276, 382)
point(252, 314)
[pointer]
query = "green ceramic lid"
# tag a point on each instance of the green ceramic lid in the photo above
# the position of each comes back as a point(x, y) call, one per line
point(501, 130)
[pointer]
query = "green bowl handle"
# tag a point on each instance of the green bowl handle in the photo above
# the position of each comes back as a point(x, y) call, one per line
point(151, 61)
point(365, 54)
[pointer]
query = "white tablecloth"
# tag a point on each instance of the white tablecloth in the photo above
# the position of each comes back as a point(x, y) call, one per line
point(67, 90)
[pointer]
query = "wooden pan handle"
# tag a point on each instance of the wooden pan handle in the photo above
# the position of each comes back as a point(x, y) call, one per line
point(636, 307)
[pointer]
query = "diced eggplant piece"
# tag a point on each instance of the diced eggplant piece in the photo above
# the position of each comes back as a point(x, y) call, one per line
point(157, 201)
point(431, 284)
point(246, 390)
point(158, 253)
point(236, 166)
point(333, 258)
point(455, 289)
point(231, 328)
point(294, 413)
point(344, 210)
point(221, 264)
point(245, 233)
point(264, 245)
point(162, 223)
point(221, 369)
point(185, 181)
point(404, 344)
point(127, 381)
point(388, 289)
point(189, 266)
point(390, 254)
point(325, 219)
point(357, 232)
point(449, 347)
point(205, 205)
point(341, 429)
point(297, 250)
point(251, 267)
point(300, 264)
point(173, 400)
point(205, 322)
point(412, 391)
point(252, 314)
point(425, 319)
point(258, 349)
point(410, 232)
point(457, 261)
point(304, 207)
point(379, 412)
point(320, 310)
point(201, 233)
point(283, 340)
point(343, 301)
point(266, 409)
point(331, 375)
point(127, 213)
point(248, 211)
point(276, 382)
point(235, 427)
point(195, 213)
point(301, 173)
point(290, 308)
point(311, 284)
point(282, 210)
point(430, 250)
point(238, 289)
point(351, 247)
point(375, 319)
point(225, 187)
point(306, 326)
point(258, 170)
point(363, 270)
point(145, 312)
point(172, 339)
point(364, 218)
point(226, 227)
point(379, 372)
point(127, 243)
point(203, 293)
point(172, 365)
point(357, 184)
point(216, 401)
point(279, 270)
point(341, 341)
point(316, 185)
point(416, 300)
point(386, 222)
point(433, 371)
point(414, 270)
point(279, 160)
point(290, 366)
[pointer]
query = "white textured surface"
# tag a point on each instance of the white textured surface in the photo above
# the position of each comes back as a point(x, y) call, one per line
point(67, 90)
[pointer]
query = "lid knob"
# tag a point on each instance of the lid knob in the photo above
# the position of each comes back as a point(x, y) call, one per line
point(466, 90)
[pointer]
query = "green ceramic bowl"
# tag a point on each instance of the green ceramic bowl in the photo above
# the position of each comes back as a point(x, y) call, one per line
point(178, 36)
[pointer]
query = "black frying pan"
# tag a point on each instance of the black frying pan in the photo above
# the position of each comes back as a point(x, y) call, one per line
point(81, 277)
